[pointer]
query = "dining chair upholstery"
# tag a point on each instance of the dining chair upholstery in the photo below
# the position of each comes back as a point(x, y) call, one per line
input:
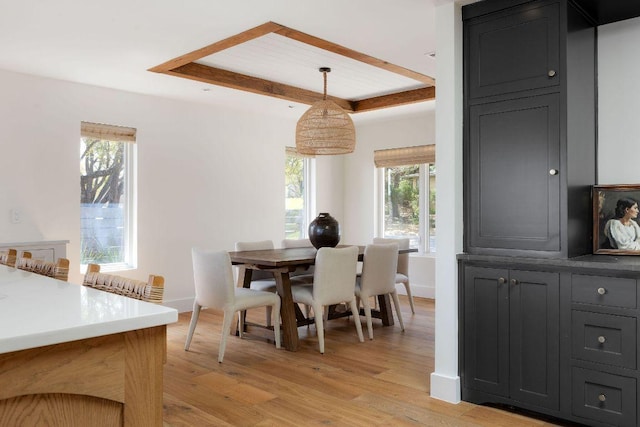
point(260, 280)
point(402, 275)
point(213, 278)
point(378, 278)
point(302, 275)
point(333, 283)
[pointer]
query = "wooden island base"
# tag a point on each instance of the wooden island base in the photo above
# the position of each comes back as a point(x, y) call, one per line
point(113, 380)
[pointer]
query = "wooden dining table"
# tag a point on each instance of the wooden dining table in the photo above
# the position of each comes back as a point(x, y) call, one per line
point(281, 263)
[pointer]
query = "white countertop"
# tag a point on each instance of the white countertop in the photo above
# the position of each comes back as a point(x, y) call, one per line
point(37, 310)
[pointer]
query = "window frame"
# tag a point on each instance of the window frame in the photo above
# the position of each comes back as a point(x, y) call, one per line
point(424, 229)
point(130, 246)
point(308, 172)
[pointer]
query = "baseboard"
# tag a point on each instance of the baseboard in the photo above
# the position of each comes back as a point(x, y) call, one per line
point(418, 291)
point(445, 388)
point(182, 305)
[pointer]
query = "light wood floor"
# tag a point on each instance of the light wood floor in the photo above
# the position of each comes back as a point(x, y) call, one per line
point(384, 382)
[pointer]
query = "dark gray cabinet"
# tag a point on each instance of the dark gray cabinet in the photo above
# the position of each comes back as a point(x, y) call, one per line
point(529, 132)
point(511, 329)
point(514, 50)
point(604, 348)
point(544, 325)
point(514, 159)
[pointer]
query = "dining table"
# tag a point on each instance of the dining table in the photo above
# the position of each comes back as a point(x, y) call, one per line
point(281, 263)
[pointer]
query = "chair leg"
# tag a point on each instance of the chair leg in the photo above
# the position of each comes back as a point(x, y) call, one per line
point(356, 318)
point(396, 302)
point(268, 308)
point(276, 322)
point(366, 303)
point(319, 326)
point(241, 321)
point(192, 326)
point(226, 329)
point(408, 288)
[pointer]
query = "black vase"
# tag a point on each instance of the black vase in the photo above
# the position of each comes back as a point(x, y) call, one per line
point(324, 231)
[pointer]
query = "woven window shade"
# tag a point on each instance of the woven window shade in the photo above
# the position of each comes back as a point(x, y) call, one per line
point(291, 151)
point(107, 132)
point(405, 156)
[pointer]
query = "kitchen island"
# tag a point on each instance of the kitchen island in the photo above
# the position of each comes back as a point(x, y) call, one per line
point(76, 356)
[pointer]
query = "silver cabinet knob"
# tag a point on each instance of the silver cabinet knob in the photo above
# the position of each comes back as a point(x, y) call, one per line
point(553, 171)
point(551, 73)
point(514, 282)
point(602, 397)
point(602, 291)
point(601, 339)
point(502, 280)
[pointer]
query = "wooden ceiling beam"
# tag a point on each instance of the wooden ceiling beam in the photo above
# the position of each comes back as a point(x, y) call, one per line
point(186, 67)
point(220, 77)
point(395, 99)
point(350, 53)
point(227, 43)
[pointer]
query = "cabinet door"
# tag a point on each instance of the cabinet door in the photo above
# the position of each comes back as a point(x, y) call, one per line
point(486, 330)
point(513, 195)
point(534, 337)
point(514, 50)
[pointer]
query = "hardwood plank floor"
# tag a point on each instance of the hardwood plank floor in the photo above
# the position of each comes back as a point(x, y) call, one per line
point(384, 382)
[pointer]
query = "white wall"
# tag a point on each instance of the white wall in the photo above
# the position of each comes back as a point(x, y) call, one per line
point(360, 183)
point(619, 103)
point(206, 176)
point(445, 382)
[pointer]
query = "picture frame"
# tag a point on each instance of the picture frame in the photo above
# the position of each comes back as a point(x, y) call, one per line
point(605, 200)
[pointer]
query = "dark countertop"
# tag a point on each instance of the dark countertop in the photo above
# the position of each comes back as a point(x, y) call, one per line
point(613, 263)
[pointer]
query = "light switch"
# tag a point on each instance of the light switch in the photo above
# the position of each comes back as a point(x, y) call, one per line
point(16, 216)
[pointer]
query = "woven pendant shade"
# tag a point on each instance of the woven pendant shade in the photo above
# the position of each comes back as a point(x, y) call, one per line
point(325, 128)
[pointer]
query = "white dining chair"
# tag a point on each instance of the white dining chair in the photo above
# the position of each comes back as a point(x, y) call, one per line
point(402, 275)
point(300, 275)
point(213, 278)
point(378, 278)
point(333, 283)
point(260, 280)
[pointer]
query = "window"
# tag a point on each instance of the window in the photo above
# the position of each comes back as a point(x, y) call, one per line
point(107, 234)
point(298, 204)
point(407, 194)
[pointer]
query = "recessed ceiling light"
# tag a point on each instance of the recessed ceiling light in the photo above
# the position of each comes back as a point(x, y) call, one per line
point(206, 89)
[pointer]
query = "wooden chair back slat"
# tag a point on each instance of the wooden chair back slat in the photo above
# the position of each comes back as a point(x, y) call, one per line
point(57, 270)
point(150, 291)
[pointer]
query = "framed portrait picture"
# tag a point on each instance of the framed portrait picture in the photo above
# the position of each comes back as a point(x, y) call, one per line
point(615, 219)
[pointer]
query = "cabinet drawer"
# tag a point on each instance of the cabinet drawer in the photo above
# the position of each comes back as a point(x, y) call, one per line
point(604, 397)
point(604, 338)
point(604, 290)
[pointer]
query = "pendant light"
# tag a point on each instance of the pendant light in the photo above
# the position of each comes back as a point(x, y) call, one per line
point(325, 128)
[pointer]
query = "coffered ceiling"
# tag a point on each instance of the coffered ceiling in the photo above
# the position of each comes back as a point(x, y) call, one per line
point(379, 50)
point(281, 62)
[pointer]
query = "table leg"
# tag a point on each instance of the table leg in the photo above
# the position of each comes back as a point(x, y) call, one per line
point(384, 301)
point(287, 311)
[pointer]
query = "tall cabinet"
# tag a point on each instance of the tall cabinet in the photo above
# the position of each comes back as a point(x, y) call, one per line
point(530, 128)
point(544, 325)
point(529, 164)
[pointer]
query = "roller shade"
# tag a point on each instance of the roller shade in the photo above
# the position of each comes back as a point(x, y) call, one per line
point(107, 132)
point(291, 151)
point(405, 156)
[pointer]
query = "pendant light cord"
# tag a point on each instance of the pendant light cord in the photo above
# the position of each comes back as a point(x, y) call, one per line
point(324, 73)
